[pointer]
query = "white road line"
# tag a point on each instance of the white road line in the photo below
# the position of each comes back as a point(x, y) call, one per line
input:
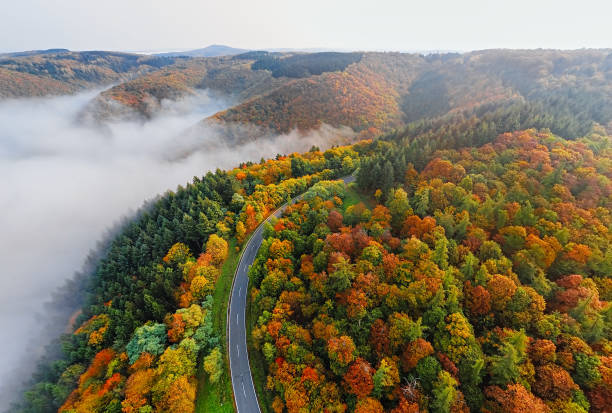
point(236, 318)
point(243, 390)
point(238, 350)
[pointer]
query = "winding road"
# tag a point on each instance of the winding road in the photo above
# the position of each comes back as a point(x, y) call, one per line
point(242, 379)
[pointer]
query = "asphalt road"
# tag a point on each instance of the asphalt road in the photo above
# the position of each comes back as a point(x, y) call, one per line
point(242, 380)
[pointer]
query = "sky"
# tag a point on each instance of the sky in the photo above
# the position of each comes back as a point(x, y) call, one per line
point(394, 25)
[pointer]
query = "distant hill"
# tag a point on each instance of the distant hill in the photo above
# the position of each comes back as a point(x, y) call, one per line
point(210, 51)
point(33, 52)
point(62, 72)
point(142, 96)
point(368, 92)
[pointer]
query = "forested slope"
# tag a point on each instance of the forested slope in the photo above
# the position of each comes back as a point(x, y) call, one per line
point(149, 322)
point(474, 276)
point(64, 72)
point(477, 282)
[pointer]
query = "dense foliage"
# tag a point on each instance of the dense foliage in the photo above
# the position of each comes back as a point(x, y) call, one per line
point(381, 91)
point(478, 282)
point(304, 65)
point(62, 72)
point(148, 323)
point(474, 276)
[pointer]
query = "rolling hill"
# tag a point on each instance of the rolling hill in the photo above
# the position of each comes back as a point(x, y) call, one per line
point(374, 92)
point(58, 72)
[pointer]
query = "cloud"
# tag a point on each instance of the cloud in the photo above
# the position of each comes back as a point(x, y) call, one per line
point(65, 183)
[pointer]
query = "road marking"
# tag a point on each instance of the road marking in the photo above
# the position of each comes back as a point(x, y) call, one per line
point(238, 349)
point(236, 318)
point(243, 390)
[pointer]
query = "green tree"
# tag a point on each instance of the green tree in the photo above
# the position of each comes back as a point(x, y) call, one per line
point(150, 338)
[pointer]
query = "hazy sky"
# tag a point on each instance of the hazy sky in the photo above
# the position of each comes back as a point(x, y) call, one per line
point(347, 24)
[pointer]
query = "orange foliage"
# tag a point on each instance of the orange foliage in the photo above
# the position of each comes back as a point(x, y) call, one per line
point(501, 289)
point(478, 300)
point(358, 378)
point(369, 405)
point(98, 365)
point(542, 351)
point(341, 349)
point(379, 337)
point(413, 226)
point(137, 387)
point(515, 399)
point(553, 382)
point(176, 327)
point(415, 351)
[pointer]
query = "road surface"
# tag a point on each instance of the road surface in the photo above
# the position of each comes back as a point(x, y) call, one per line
point(242, 380)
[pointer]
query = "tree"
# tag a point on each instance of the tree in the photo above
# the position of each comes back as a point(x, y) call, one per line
point(217, 248)
point(176, 327)
point(150, 338)
point(504, 368)
point(586, 370)
point(213, 365)
point(479, 300)
point(369, 405)
point(240, 232)
point(444, 393)
point(179, 397)
point(514, 399)
point(501, 289)
point(553, 382)
point(341, 351)
point(137, 388)
point(334, 220)
point(358, 378)
point(386, 377)
point(403, 330)
point(177, 254)
point(414, 352)
point(379, 337)
point(542, 351)
point(399, 207)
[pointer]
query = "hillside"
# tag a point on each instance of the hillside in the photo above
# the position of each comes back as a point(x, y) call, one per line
point(59, 72)
point(372, 92)
point(143, 95)
point(479, 282)
point(368, 92)
point(424, 87)
point(155, 315)
point(468, 268)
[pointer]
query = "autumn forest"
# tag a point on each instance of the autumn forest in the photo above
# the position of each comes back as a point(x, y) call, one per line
point(455, 255)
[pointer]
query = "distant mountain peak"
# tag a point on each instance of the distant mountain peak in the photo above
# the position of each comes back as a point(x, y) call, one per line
point(213, 50)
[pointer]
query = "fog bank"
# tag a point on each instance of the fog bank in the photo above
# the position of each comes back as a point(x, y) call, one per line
point(63, 184)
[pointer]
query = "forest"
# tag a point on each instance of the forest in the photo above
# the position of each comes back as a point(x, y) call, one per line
point(467, 269)
point(479, 282)
point(304, 65)
point(149, 320)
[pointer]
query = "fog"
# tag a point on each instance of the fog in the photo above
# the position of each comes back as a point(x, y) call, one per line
point(64, 184)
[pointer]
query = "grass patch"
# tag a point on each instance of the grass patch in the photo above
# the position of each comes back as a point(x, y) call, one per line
point(355, 196)
point(218, 397)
